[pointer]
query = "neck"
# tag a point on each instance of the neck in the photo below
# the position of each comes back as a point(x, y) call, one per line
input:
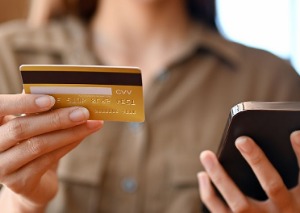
point(138, 32)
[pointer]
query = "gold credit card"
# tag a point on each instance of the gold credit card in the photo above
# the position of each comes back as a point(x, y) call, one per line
point(109, 93)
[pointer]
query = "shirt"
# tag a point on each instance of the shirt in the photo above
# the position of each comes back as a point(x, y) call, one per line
point(149, 167)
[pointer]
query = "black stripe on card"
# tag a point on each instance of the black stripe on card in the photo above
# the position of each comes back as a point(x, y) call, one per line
point(60, 77)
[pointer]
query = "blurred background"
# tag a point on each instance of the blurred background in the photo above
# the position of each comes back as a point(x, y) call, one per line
point(273, 25)
point(11, 9)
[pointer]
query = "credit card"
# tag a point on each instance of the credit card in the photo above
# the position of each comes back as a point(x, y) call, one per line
point(109, 93)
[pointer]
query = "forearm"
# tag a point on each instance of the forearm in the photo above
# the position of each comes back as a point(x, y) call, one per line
point(11, 202)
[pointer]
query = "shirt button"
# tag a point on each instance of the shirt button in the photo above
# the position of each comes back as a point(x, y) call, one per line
point(129, 185)
point(135, 126)
point(163, 76)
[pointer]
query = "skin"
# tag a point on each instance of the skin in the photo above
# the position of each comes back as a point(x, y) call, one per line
point(40, 11)
point(29, 154)
point(30, 148)
point(280, 199)
point(138, 34)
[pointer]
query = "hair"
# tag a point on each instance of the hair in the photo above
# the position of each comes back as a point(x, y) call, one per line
point(201, 10)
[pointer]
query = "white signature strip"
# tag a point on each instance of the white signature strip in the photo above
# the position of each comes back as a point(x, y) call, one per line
point(71, 90)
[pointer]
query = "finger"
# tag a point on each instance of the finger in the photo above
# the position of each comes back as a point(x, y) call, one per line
point(235, 199)
point(22, 128)
point(267, 175)
point(28, 177)
point(208, 195)
point(24, 103)
point(7, 119)
point(295, 139)
point(22, 154)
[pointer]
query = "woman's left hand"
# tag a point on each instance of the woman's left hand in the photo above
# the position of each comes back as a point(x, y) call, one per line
point(280, 199)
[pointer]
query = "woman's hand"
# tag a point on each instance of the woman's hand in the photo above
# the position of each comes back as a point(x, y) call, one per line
point(32, 145)
point(280, 199)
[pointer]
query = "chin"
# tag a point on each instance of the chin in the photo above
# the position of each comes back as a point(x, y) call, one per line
point(149, 1)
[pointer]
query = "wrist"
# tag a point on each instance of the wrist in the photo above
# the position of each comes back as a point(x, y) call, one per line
point(12, 202)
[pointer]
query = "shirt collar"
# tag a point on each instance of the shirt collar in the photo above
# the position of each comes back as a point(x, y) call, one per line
point(208, 41)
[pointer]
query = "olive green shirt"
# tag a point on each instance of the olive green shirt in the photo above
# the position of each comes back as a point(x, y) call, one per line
point(149, 167)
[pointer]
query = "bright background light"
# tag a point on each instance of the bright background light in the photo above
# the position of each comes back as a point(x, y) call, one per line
point(273, 25)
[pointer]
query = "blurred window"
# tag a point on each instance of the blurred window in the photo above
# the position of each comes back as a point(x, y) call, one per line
point(273, 25)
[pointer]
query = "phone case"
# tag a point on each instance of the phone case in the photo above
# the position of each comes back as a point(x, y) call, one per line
point(270, 125)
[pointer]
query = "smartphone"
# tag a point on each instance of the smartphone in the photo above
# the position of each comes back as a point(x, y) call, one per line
point(269, 124)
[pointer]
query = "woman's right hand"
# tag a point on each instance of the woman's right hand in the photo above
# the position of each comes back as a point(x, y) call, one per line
point(32, 145)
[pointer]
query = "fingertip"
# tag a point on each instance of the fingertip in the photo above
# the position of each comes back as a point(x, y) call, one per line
point(44, 102)
point(208, 160)
point(94, 124)
point(203, 180)
point(201, 175)
point(295, 137)
point(206, 153)
point(243, 143)
point(242, 139)
point(52, 100)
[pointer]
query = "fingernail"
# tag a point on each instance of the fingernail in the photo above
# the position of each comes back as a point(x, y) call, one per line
point(207, 162)
point(296, 135)
point(94, 124)
point(80, 114)
point(203, 181)
point(243, 144)
point(45, 101)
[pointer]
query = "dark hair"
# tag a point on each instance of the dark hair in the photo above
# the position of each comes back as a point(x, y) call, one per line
point(85, 9)
point(201, 10)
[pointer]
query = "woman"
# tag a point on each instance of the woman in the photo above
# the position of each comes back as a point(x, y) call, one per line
point(192, 77)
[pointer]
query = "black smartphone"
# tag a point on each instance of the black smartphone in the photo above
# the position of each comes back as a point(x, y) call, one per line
point(269, 124)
